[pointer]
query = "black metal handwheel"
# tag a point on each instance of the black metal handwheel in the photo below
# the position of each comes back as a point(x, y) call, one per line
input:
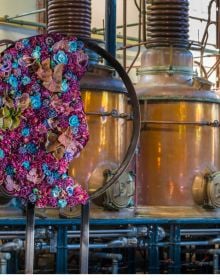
point(136, 114)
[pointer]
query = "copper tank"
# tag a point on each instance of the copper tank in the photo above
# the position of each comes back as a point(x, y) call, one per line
point(179, 114)
point(105, 104)
point(104, 101)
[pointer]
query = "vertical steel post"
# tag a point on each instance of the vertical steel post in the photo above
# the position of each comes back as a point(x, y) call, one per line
point(61, 256)
point(174, 249)
point(131, 260)
point(153, 250)
point(29, 244)
point(124, 33)
point(84, 239)
point(110, 26)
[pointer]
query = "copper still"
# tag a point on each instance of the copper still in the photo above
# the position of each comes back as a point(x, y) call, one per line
point(106, 107)
point(179, 147)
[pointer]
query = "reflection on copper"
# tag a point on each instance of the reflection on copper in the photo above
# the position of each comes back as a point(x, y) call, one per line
point(108, 137)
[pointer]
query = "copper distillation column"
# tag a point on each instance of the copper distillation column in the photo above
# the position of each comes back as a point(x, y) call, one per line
point(179, 141)
point(105, 104)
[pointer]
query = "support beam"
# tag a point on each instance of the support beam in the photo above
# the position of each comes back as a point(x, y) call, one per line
point(84, 239)
point(110, 26)
point(29, 245)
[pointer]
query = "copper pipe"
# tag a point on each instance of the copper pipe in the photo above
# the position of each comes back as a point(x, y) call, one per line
point(139, 36)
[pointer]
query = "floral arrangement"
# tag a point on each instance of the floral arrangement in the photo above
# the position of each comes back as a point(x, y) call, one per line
point(42, 121)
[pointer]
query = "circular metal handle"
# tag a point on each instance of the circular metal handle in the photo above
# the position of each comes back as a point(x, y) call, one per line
point(136, 113)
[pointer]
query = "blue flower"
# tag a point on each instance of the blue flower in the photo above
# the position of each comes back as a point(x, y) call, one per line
point(36, 52)
point(25, 131)
point(10, 170)
point(45, 167)
point(46, 102)
point(17, 93)
point(45, 123)
point(52, 114)
point(32, 197)
point(64, 86)
point(69, 75)
point(26, 164)
point(7, 56)
point(35, 101)
point(72, 46)
point(47, 172)
point(70, 190)
point(13, 81)
point(64, 176)
point(2, 153)
point(60, 57)
point(74, 121)
point(55, 175)
point(15, 64)
point(25, 80)
point(55, 191)
point(80, 45)
point(50, 180)
point(25, 42)
point(62, 203)
point(31, 148)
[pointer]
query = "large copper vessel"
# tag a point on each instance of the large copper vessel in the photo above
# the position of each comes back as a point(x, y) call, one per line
point(105, 104)
point(179, 136)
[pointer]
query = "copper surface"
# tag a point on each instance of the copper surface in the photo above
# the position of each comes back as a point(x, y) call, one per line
point(171, 155)
point(107, 144)
point(79, 11)
point(167, 23)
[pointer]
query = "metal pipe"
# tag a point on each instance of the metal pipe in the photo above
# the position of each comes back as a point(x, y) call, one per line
point(215, 253)
point(124, 32)
point(114, 257)
point(210, 231)
point(192, 243)
point(110, 26)
point(29, 245)
point(139, 36)
point(15, 245)
point(27, 14)
point(44, 233)
point(4, 257)
point(22, 22)
point(84, 239)
point(94, 30)
point(110, 235)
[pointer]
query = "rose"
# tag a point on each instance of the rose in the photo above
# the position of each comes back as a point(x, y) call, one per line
point(60, 57)
point(73, 120)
